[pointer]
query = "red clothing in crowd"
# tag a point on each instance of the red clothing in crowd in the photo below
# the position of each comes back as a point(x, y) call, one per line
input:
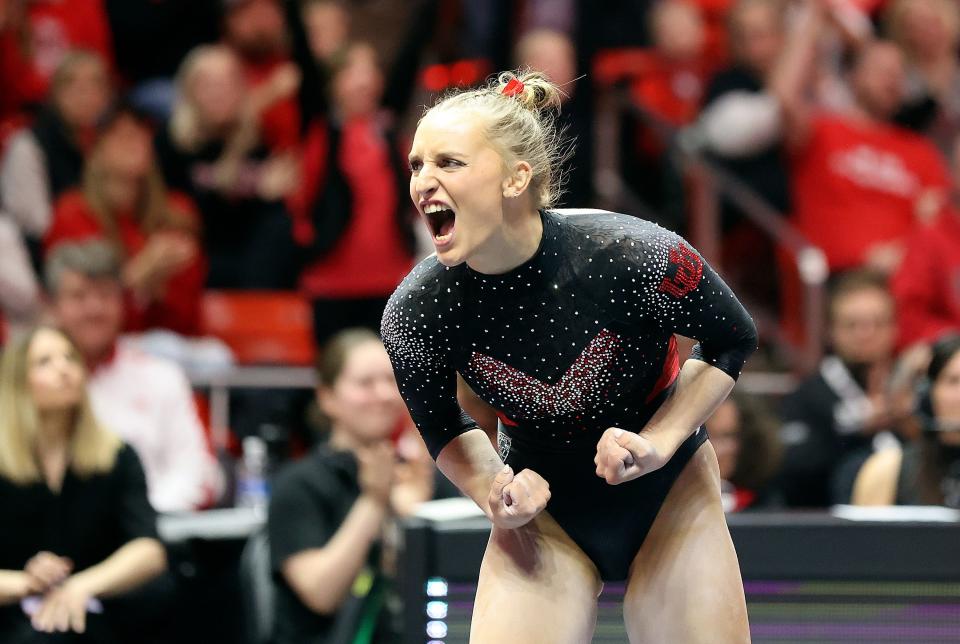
point(672, 91)
point(927, 284)
point(54, 27)
point(370, 258)
point(715, 18)
point(857, 184)
point(179, 308)
point(279, 123)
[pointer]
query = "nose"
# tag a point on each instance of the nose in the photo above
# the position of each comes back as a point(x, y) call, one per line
point(425, 183)
point(63, 368)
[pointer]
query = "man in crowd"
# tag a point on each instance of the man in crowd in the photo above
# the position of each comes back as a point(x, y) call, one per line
point(146, 400)
point(861, 184)
point(836, 417)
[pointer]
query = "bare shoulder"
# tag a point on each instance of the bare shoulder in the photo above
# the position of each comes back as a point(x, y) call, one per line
point(876, 483)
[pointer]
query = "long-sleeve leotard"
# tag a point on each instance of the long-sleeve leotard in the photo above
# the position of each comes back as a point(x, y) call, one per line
point(577, 339)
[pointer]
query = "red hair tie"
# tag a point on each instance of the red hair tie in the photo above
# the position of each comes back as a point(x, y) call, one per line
point(512, 88)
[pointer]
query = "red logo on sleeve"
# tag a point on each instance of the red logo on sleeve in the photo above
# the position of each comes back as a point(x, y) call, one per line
point(684, 270)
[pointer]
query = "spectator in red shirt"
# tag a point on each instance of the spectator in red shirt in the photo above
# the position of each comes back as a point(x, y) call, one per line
point(860, 183)
point(256, 32)
point(927, 284)
point(34, 38)
point(124, 200)
point(669, 82)
point(672, 87)
point(358, 232)
point(351, 209)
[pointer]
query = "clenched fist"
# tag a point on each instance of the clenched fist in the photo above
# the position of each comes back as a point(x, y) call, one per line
point(623, 456)
point(515, 499)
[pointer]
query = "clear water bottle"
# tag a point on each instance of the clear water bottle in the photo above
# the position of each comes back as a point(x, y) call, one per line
point(252, 490)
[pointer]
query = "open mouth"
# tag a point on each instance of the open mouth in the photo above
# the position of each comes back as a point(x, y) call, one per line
point(442, 221)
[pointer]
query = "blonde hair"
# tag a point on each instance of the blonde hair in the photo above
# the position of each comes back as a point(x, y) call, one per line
point(154, 210)
point(92, 448)
point(894, 15)
point(522, 126)
point(186, 126)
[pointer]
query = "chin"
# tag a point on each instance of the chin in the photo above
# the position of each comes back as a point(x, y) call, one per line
point(63, 404)
point(450, 257)
point(449, 261)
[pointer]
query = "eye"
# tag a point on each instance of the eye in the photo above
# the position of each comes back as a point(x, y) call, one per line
point(450, 163)
point(415, 165)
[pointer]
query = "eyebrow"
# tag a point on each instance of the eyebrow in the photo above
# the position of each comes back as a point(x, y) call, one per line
point(444, 153)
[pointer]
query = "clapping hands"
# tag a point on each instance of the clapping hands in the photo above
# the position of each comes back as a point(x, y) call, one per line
point(63, 602)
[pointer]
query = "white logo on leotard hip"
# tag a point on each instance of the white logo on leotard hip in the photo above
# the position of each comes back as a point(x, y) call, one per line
point(503, 444)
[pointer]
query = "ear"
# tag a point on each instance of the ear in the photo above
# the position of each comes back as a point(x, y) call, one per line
point(326, 401)
point(517, 181)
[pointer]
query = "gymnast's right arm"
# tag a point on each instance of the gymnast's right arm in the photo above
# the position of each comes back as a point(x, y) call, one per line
point(462, 450)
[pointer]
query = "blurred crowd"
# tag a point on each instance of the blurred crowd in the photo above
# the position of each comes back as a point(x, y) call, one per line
point(155, 151)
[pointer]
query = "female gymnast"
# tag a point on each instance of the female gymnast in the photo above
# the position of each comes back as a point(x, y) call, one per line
point(565, 324)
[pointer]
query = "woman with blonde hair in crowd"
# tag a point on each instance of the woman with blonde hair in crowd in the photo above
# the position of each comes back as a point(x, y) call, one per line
point(219, 149)
point(73, 499)
point(125, 201)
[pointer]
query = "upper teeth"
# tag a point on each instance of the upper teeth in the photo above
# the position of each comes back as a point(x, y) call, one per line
point(434, 207)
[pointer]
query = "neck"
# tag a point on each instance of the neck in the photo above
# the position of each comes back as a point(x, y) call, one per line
point(513, 244)
point(861, 113)
point(54, 430)
point(343, 440)
point(95, 358)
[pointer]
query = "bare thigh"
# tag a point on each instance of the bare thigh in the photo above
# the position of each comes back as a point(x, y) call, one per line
point(685, 584)
point(536, 585)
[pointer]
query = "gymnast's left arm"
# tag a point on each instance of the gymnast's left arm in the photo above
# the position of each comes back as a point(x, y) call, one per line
point(690, 299)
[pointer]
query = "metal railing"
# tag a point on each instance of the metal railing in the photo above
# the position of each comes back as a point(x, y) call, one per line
point(220, 384)
point(279, 377)
point(707, 182)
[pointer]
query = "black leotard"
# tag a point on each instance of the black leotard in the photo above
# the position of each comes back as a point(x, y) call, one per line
point(574, 341)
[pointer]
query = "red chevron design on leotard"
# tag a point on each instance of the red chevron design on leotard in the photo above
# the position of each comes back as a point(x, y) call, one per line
point(580, 387)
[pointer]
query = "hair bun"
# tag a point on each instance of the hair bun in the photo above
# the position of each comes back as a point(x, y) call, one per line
point(538, 92)
point(518, 111)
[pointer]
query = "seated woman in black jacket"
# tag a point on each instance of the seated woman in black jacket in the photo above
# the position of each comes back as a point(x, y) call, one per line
point(77, 524)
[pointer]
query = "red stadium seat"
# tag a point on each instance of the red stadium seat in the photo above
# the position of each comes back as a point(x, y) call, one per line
point(262, 327)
